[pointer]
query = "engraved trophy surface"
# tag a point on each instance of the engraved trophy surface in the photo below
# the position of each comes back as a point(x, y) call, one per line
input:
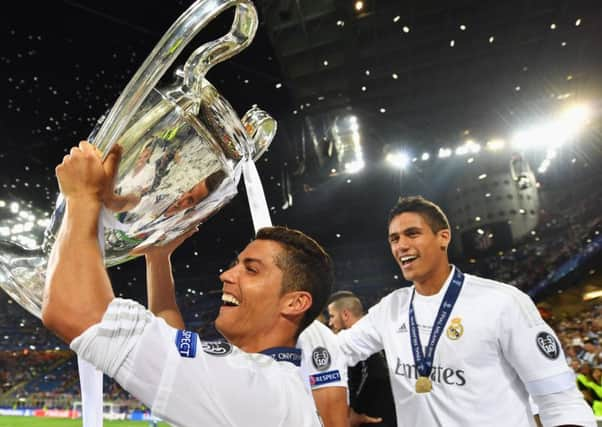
point(183, 151)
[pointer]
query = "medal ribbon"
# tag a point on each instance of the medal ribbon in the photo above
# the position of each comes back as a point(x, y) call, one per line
point(284, 354)
point(258, 204)
point(424, 362)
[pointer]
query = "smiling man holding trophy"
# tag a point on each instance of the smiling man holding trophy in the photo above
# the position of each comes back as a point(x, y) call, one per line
point(276, 287)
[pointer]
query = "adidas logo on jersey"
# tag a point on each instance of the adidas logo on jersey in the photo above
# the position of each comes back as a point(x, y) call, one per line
point(403, 328)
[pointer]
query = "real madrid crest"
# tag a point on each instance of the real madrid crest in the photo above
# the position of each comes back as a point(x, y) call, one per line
point(455, 329)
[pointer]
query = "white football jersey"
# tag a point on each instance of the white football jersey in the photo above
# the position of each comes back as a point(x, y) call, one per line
point(190, 383)
point(322, 362)
point(494, 351)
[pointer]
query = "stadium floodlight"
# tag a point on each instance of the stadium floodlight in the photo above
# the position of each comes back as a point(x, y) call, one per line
point(526, 138)
point(470, 146)
point(353, 125)
point(354, 166)
point(444, 152)
point(347, 143)
point(495, 144)
point(474, 147)
point(425, 156)
point(556, 132)
point(461, 150)
point(14, 207)
point(399, 160)
point(576, 117)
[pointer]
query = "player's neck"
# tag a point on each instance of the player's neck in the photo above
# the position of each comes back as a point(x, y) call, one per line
point(259, 343)
point(432, 284)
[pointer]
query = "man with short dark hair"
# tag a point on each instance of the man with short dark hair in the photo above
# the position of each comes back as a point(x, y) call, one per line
point(250, 381)
point(323, 367)
point(370, 395)
point(462, 350)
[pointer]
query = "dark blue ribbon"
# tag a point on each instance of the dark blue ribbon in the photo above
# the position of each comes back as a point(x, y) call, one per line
point(284, 354)
point(424, 362)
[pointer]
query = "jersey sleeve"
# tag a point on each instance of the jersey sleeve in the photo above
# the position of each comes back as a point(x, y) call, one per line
point(530, 345)
point(323, 363)
point(108, 344)
point(182, 378)
point(363, 339)
point(565, 408)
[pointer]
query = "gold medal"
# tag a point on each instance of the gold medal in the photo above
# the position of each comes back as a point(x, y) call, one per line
point(423, 385)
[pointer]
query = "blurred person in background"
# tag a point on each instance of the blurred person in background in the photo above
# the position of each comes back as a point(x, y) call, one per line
point(370, 395)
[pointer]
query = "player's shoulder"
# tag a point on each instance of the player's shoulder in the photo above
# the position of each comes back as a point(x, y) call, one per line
point(506, 297)
point(393, 299)
point(317, 328)
point(316, 334)
point(490, 287)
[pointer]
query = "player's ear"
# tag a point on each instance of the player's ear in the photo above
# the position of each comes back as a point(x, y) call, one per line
point(444, 237)
point(295, 303)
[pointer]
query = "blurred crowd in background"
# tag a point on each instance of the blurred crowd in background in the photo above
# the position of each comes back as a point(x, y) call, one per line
point(37, 370)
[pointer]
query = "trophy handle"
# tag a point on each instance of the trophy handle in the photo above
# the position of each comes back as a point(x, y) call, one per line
point(260, 128)
point(240, 36)
point(166, 52)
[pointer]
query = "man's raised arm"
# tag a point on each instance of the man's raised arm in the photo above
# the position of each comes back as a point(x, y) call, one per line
point(160, 286)
point(78, 290)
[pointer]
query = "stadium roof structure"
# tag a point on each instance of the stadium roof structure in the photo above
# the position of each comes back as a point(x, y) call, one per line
point(416, 75)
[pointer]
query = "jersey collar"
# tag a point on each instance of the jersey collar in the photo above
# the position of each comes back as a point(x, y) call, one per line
point(284, 354)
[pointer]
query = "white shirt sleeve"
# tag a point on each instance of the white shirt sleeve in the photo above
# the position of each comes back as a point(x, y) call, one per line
point(322, 363)
point(532, 348)
point(187, 382)
point(564, 408)
point(363, 339)
point(108, 344)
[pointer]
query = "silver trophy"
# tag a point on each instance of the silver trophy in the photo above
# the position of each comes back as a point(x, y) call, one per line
point(184, 151)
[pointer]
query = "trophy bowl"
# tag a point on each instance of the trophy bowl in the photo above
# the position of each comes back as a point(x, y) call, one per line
point(184, 148)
